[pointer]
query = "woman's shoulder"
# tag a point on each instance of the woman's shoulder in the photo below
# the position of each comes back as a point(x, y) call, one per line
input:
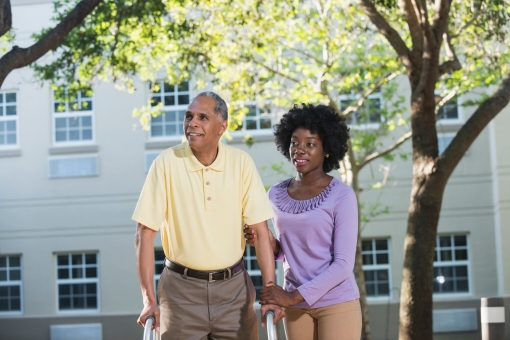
point(278, 187)
point(342, 189)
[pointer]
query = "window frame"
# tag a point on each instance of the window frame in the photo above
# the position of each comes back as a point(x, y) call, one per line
point(176, 108)
point(5, 118)
point(451, 121)
point(453, 263)
point(77, 281)
point(71, 114)
point(375, 267)
point(258, 131)
point(84, 155)
point(13, 283)
point(355, 96)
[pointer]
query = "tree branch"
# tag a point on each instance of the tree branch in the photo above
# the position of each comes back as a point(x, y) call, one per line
point(453, 64)
point(467, 24)
point(5, 17)
point(376, 155)
point(270, 69)
point(389, 32)
point(447, 162)
point(414, 25)
point(353, 108)
point(21, 57)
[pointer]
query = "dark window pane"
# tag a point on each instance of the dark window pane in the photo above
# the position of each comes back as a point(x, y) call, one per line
point(59, 107)
point(91, 302)
point(86, 134)
point(366, 245)
point(447, 272)
point(64, 303)
point(4, 291)
point(461, 254)
point(15, 291)
point(159, 268)
point(460, 241)
point(64, 289)
point(169, 100)
point(1, 97)
point(445, 241)
point(251, 124)
point(436, 287)
point(77, 273)
point(382, 275)
point(3, 275)
point(183, 99)
point(10, 110)
point(184, 86)
point(78, 289)
point(86, 105)
point(370, 289)
point(381, 245)
point(168, 87)
point(368, 259)
point(446, 255)
point(254, 265)
point(91, 288)
point(447, 286)
point(155, 100)
point(462, 285)
point(369, 275)
point(78, 302)
point(265, 123)
point(159, 255)
point(91, 272)
point(90, 259)
point(435, 256)
point(63, 260)
point(16, 304)
point(157, 119)
point(14, 261)
point(252, 111)
point(156, 131)
point(4, 305)
point(63, 273)
point(15, 274)
point(10, 97)
point(382, 258)
point(383, 289)
point(461, 271)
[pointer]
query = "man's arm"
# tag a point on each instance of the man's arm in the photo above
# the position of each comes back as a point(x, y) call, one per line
point(144, 248)
point(265, 259)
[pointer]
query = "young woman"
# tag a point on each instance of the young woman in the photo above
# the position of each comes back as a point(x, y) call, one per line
point(316, 221)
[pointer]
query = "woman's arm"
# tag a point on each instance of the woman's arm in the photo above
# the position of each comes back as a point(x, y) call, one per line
point(251, 235)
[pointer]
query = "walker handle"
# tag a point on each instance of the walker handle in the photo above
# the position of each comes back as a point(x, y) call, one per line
point(147, 330)
point(271, 329)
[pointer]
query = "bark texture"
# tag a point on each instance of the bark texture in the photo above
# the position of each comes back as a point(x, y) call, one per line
point(20, 57)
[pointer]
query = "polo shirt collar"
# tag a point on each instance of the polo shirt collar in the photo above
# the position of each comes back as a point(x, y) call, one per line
point(195, 165)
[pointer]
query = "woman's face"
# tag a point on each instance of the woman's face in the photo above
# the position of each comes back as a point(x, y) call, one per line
point(306, 151)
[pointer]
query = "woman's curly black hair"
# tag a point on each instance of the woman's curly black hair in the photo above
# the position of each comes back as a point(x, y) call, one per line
point(320, 119)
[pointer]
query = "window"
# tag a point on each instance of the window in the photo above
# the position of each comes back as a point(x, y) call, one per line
point(451, 266)
point(257, 118)
point(67, 167)
point(368, 113)
point(449, 111)
point(376, 266)
point(159, 265)
point(10, 284)
point(8, 119)
point(175, 100)
point(73, 118)
point(77, 282)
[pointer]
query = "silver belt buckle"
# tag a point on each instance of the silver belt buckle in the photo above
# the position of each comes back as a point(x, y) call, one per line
point(210, 277)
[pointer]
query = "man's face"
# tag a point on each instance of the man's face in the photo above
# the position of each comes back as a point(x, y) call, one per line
point(202, 126)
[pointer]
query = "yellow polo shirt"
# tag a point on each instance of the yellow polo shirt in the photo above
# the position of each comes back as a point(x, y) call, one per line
point(201, 210)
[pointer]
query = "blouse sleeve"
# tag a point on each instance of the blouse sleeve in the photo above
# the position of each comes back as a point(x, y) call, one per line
point(345, 234)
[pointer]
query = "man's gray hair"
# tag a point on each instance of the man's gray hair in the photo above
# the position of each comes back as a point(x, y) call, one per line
point(220, 108)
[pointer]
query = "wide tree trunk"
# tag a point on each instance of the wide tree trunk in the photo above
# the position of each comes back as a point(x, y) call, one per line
point(358, 266)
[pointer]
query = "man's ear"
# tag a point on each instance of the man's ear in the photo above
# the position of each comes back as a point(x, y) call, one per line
point(224, 125)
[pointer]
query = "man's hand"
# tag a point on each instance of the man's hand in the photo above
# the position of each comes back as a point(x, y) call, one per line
point(278, 311)
point(150, 309)
point(249, 235)
point(276, 295)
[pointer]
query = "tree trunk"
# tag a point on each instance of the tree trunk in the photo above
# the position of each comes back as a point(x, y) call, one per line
point(358, 266)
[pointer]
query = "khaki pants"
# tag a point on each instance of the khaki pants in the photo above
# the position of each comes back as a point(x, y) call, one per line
point(194, 309)
point(336, 322)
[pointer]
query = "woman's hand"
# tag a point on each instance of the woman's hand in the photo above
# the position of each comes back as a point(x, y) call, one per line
point(250, 236)
point(276, 295)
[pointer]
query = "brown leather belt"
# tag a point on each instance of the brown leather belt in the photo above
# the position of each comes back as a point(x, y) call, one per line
point(211, 276)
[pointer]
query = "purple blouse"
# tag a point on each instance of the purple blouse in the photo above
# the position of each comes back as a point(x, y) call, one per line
point(318, 243)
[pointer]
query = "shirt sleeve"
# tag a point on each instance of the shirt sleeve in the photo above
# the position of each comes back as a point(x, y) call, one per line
point(151, 209)
point(345, 237)
point(256, 205)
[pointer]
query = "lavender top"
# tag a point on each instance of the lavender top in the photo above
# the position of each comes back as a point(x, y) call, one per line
point(317, 243)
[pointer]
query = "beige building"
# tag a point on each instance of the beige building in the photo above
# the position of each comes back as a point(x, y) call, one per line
point(71, 173)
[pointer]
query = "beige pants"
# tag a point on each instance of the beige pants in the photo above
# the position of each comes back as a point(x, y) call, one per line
point(193, 309)
point(336, 322)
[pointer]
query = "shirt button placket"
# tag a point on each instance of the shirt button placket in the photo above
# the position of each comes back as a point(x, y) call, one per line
point(207, 190)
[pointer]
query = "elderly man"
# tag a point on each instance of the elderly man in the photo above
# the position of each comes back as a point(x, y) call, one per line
point(199, 194)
